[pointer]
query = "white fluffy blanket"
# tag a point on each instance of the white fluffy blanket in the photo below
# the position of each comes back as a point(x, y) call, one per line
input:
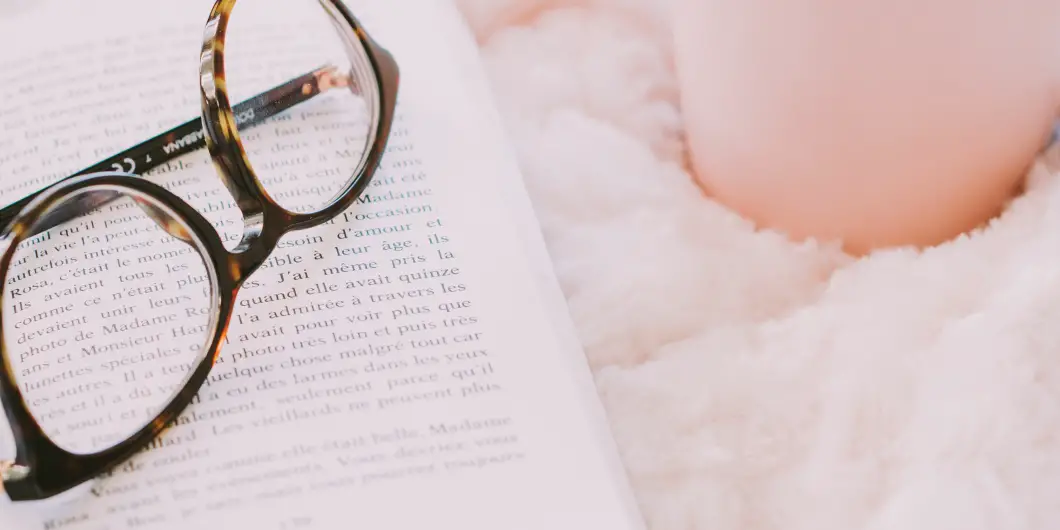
point(756, 384)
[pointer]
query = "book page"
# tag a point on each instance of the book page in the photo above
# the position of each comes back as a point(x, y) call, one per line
point(397, 368)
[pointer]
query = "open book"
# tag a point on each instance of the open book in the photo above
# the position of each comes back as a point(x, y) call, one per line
point(479, 413)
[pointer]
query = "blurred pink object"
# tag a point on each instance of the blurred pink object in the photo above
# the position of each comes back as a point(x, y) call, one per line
point(878, 123)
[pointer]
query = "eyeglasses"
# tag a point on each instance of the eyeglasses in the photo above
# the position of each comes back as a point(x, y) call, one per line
point(118, 294)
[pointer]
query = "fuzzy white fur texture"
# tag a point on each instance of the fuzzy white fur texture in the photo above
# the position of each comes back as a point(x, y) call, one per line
point(757, 384)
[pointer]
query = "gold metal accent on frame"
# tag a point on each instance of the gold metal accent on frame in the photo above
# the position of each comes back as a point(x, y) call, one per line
point(9, 472)
point(329, 78)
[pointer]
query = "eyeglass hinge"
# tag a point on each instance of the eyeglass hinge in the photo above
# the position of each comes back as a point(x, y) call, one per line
point(329, 77)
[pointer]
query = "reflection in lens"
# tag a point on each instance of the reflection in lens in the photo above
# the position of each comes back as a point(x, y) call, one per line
point(308, 154)
point(104, 318)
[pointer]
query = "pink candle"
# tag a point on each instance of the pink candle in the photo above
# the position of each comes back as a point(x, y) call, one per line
point(879, 123)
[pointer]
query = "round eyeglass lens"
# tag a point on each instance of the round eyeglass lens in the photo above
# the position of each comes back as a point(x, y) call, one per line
point(105, 315)
point(308, 155)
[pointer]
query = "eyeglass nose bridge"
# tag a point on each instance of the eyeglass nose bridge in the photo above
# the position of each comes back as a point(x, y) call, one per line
point(263, 228)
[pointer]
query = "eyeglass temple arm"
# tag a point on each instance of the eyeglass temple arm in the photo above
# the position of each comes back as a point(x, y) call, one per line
point(183, 139)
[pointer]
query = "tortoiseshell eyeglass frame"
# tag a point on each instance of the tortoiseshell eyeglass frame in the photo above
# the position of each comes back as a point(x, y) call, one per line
point(41, 469)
